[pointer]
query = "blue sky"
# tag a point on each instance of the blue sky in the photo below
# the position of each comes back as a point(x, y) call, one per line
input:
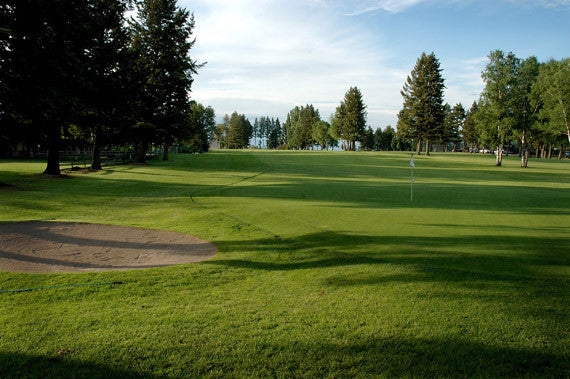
point(267, 56)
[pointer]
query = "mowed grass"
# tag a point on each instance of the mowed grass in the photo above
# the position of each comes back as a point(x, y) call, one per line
point(325, 268)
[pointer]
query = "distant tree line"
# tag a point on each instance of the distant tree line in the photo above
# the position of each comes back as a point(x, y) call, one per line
point(74, 72)
point(524, 104)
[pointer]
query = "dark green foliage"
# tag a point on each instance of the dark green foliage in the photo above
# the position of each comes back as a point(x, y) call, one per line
point(470, 129)
point(453, 123)
point(385, 139)
point(162, 41)
point(44, 64)
point(350, 119)
point(299, 126)
point(422, 116)
point(104, 102)
point(368, 142)
point(239, 132)
point(267, 132)
point(200, 128)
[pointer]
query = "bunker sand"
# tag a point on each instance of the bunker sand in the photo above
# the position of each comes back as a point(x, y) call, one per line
point(58, 247)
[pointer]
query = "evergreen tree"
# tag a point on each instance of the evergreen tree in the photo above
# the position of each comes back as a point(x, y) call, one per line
point(299, 126)
point(43, 65)
point(386, 141)
point(106, 54)
point(454, 124)
point(469, 130)
point(351, 118)
point(162, 40)
point(367, 142)
point(240, 131)
point(422, 115)
point(378, 139)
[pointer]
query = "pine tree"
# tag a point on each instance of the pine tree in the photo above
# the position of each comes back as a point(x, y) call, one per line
point(455, 124)
point(422, 115)
point(469, 130)
point(106, 55)
point(43, 65)
point(239, 132)
point(350, 118)
point(162, 40)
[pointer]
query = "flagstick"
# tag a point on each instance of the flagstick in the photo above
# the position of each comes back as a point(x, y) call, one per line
point(412, 179)
point(412, 186)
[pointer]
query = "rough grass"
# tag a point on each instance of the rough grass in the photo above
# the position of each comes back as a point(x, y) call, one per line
point(324, 268)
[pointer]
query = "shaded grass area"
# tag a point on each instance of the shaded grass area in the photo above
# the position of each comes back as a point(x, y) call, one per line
point(324, 269)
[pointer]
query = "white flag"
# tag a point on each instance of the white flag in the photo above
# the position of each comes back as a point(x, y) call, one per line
point(412, 162)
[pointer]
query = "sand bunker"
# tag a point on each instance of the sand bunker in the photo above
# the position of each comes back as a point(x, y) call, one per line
point(37, 246)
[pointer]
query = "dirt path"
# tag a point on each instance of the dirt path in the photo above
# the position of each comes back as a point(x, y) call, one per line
point(38, 246)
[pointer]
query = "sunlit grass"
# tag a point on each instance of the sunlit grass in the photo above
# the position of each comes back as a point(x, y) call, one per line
point(324, 267)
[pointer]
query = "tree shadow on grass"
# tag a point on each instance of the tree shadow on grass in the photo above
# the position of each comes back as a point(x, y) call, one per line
point(17, 365)
point(395, 356)
point(353, 356)
point(509, 264)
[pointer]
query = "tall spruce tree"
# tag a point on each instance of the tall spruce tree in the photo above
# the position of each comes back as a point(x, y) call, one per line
point(239, 132)
point(43, 63)
point(106, 58)
point(469, 130)
point(162, 41)
point(350, 118)
point(422, 115)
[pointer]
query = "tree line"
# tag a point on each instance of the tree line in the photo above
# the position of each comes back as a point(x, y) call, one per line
point(81, 71)
point(303, 128)
point(524, 103)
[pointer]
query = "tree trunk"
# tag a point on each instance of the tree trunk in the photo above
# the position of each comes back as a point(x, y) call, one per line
point(524, 151)
point(537, 150)
point(419, 148)
point(96, 156)
point(560, 152)
point(53, 149)
point(550, 151)
point(141, 149)
point(428, 147)
point(165, 152)
point(499, 161)
point(454, 146)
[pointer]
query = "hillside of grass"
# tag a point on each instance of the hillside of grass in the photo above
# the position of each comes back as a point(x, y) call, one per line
point(324, 267)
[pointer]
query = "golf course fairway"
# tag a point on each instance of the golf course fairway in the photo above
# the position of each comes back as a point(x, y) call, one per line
point(324, 268)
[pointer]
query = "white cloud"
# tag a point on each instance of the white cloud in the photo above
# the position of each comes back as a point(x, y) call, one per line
point(266, 57)
point(392, 6)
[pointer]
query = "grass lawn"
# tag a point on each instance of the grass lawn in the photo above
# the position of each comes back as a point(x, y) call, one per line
point(324, 268)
